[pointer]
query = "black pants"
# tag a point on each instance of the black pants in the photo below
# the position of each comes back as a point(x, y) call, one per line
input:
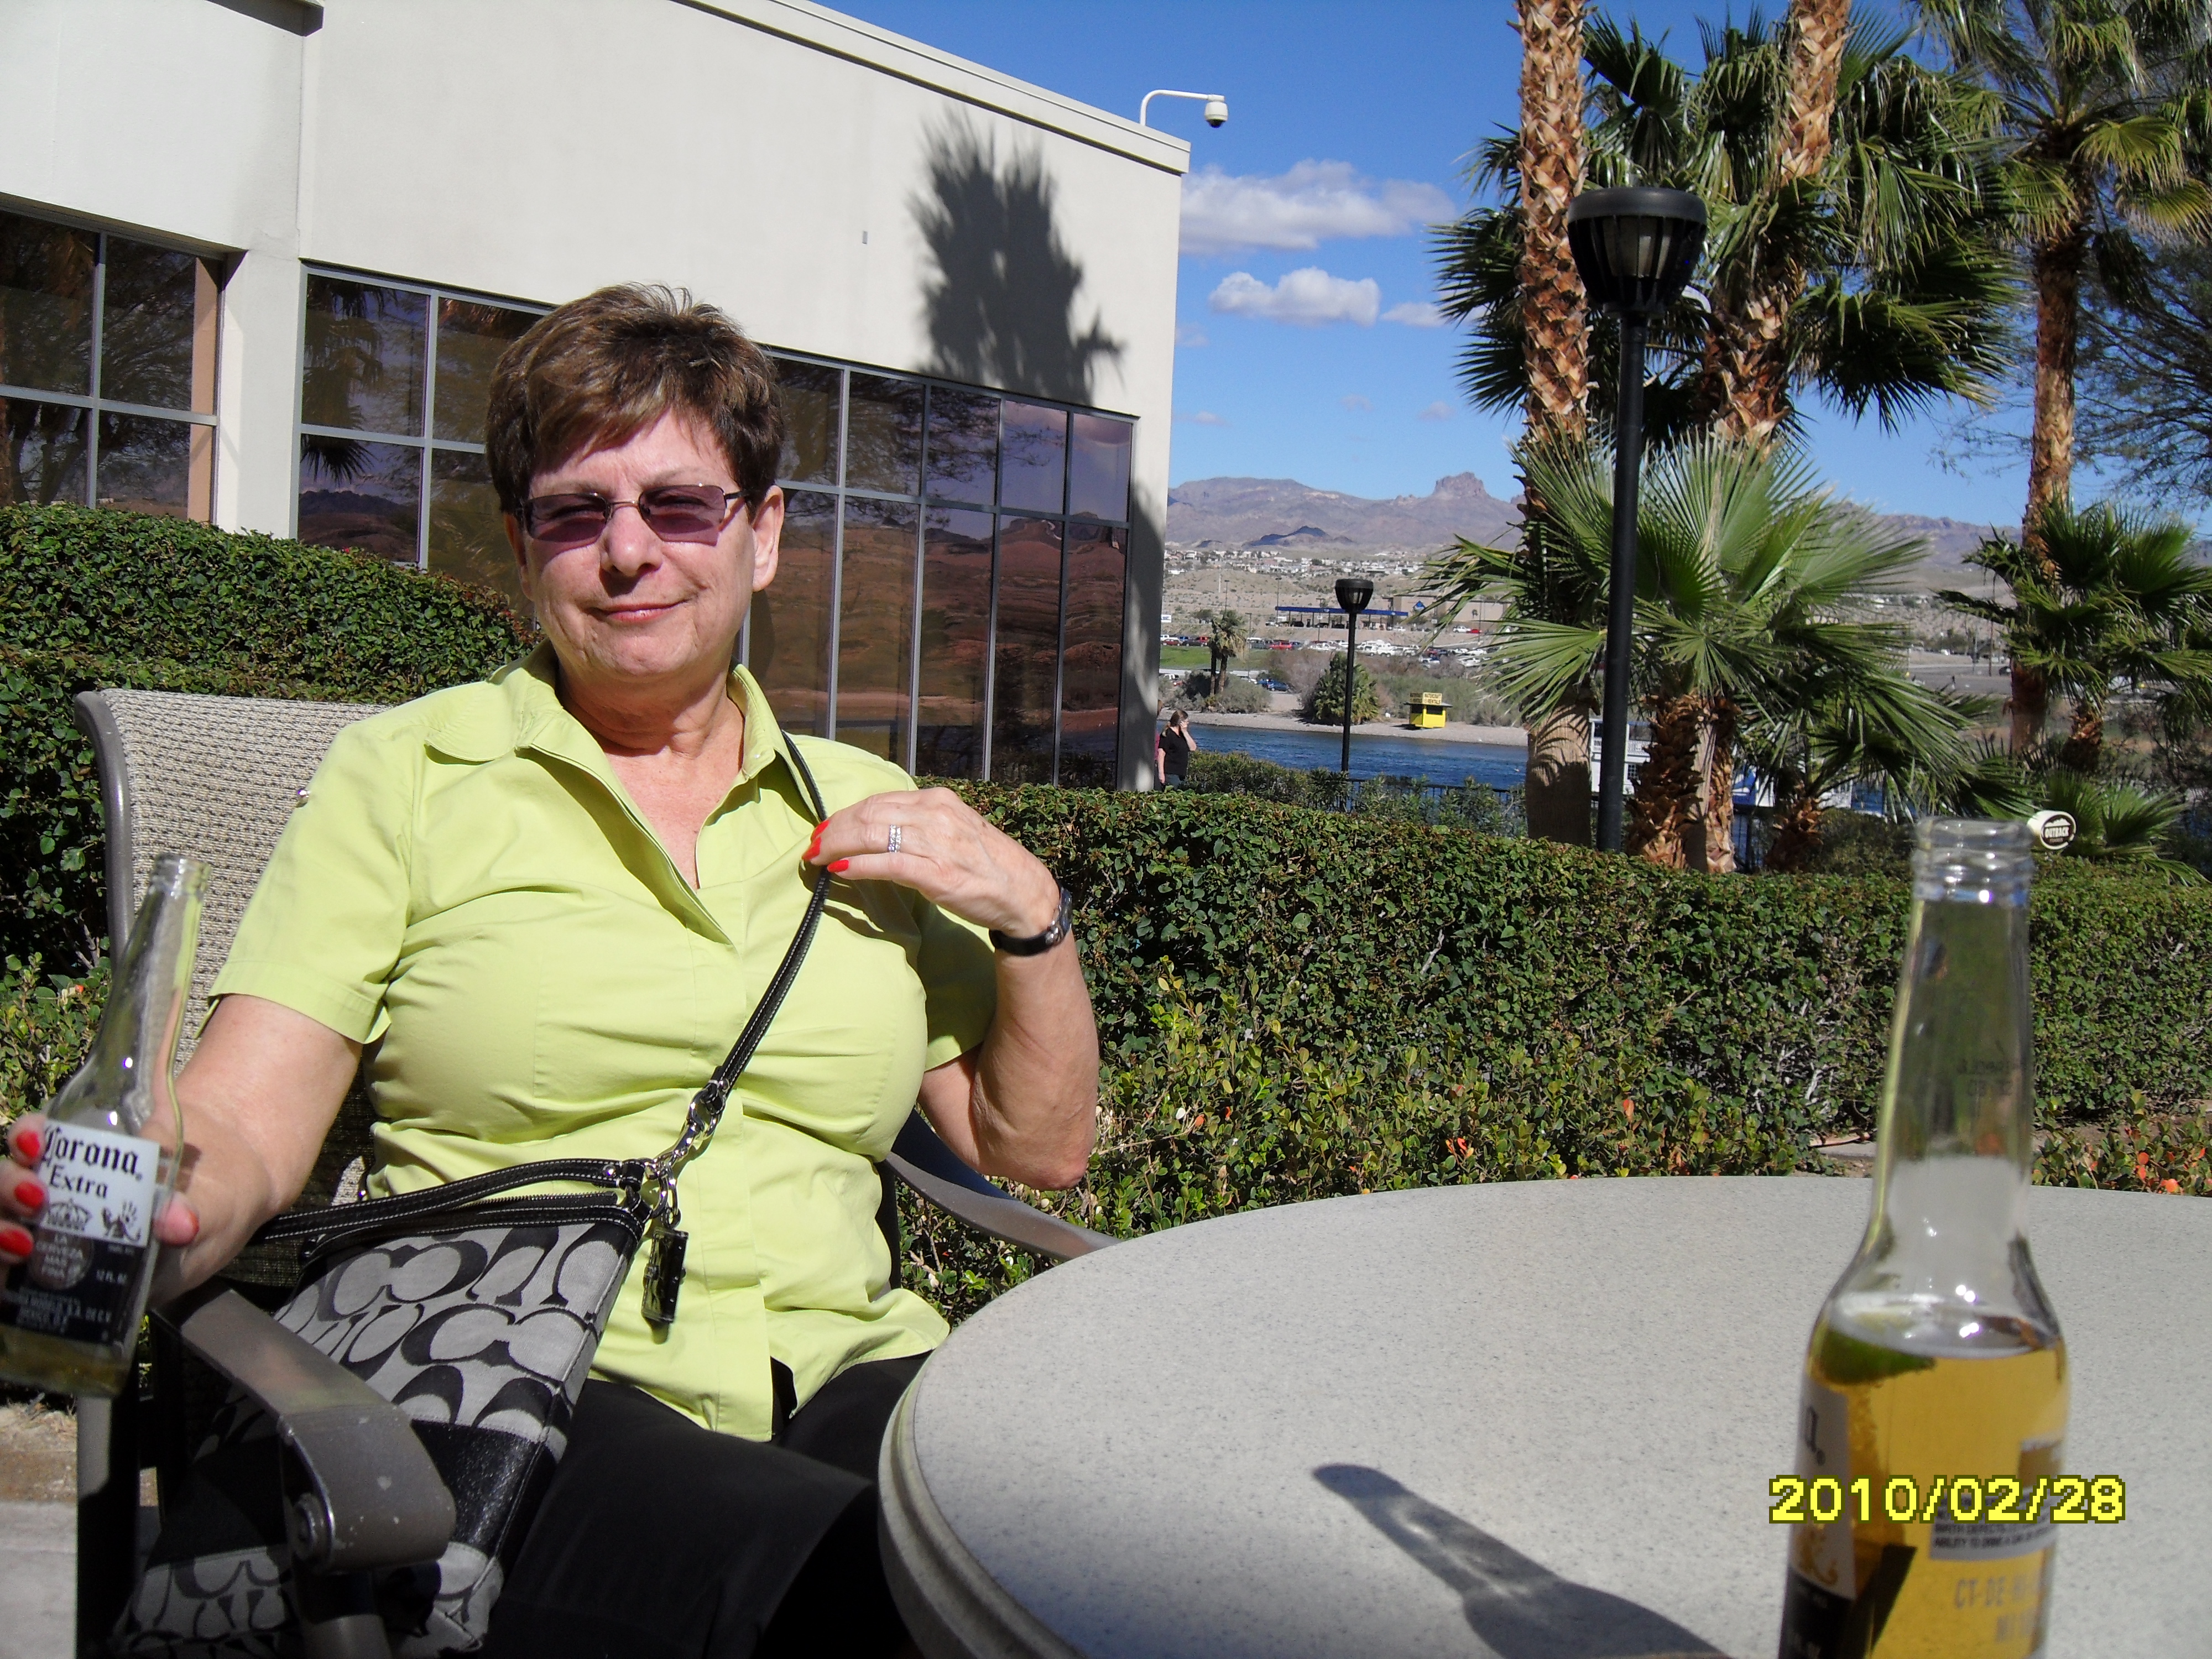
point(662, 1540)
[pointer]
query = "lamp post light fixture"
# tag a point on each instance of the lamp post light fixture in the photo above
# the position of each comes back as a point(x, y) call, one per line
point(1635, 248)
point(1353, 593)
point(1217, 106)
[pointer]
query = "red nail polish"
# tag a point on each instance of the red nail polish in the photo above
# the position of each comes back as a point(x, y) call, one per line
point(15, 1241)
point(30, 1194)
point(841, 866)
point(27, 1143)
point(814, 846)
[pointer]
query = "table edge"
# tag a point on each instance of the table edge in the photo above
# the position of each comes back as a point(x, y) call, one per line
point(953, 1608)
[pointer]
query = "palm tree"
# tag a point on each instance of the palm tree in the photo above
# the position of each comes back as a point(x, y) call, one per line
point(1839, 729)
point(1225, 642)
point(2102, 595)
point(2103, 107)
point(1749, 584)
point(1865, 273)
point(2117, 823)
point(1548, 165)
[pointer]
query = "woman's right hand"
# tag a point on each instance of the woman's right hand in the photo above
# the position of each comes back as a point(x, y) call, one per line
point(22, 1195)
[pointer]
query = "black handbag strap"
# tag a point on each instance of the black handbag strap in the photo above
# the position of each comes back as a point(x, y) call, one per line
point(652, 1179)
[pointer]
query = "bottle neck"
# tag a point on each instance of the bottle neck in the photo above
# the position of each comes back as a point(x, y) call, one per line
point(127, 1076)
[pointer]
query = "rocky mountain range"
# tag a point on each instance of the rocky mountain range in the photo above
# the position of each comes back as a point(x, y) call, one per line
point(1322, 524)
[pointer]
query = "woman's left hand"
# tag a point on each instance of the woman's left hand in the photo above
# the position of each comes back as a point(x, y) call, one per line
point(948, 853)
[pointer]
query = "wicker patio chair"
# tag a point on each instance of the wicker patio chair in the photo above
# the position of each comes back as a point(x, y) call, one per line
point(216, 778)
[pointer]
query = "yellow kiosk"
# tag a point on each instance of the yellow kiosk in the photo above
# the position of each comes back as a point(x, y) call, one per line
point(1429, 709)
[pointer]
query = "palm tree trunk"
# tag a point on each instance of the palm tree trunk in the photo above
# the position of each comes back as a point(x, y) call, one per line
point(2085, 741)
point(2056, 269)
point(1710, 844)
point(1746, 379)
point(1666, 784)
point(1556, 349)
point(1796, 833)
point(1556, 794)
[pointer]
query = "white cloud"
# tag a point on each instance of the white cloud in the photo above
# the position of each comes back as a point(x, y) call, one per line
point(1415, 314)
point(1439, 411)
point(1189, 334)
point(1355, 402)
point(1309, 296)
point(1314, 202)
point(1203, 417)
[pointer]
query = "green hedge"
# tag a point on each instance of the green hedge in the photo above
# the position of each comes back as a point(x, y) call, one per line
point(90, 598)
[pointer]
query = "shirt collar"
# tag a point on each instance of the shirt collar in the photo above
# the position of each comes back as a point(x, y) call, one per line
point(529, 715)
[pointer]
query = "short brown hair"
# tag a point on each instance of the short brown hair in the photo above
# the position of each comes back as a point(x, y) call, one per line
point(600, 370)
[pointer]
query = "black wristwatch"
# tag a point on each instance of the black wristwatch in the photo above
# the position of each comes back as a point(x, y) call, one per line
point(1038, 944)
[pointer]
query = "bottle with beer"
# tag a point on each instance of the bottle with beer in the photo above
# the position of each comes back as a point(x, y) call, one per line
point(68, 1314)
point(1934, 1400)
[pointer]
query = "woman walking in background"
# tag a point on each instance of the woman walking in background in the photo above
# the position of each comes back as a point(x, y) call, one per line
point(1175, 745)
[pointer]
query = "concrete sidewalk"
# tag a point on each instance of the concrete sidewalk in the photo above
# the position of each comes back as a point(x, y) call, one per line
point(37, 1592)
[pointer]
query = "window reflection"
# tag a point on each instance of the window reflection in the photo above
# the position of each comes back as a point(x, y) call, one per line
point(883, 435)
point(875, 626)
point(468, 536)
point(471, 335)
point(1091, 656)
point(44, 461)
point(956, 619)
point(46, 305)
point(1033, 464)
point(363, 370)
point(370, 500)
point(152, 466)
point(1099, 467)
point(788, 649)
point(1025, 677)
point(157, 329)
point(810, 422)
point(964, 447)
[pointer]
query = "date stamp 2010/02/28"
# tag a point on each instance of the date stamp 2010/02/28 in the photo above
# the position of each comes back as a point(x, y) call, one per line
point(2003, 1500)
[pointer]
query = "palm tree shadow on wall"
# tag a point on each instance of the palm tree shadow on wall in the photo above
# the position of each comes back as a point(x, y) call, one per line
point(1001, 306)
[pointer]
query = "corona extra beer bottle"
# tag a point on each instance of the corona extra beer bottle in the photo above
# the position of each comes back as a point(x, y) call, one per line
point(68, 1314)
point(1934, 1400)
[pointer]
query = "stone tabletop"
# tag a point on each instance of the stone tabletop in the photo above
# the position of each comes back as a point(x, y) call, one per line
point(1531, 1419)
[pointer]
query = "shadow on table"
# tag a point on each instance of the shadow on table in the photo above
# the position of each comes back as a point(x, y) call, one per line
point(1521, 1610)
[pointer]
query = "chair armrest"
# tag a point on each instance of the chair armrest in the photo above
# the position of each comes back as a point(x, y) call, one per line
point(931, 1168)
point(363, 1493)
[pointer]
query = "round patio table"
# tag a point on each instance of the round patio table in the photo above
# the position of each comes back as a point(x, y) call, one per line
point(1534, 1421)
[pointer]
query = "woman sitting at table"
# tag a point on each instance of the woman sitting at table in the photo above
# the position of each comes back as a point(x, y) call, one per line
point(552, 899)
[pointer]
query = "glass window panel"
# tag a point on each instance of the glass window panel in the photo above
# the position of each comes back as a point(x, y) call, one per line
point(1091, 656)
point(964, 447)
point(810, 422)
point(44, 460)
point(1028, 655)
point(468, 537)
point(470, 337)
point(157, 329)
point(46, 305)
point(150, 466)
point(361, 496)
point(789, 646)
point(364, 364)
point(1033, 464)
point(1099, 467)
point(883, 435)
point(955, 616)
point(875, 626)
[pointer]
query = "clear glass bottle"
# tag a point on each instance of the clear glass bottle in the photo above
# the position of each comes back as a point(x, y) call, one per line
point(1936, 1357)
point(70, 1313)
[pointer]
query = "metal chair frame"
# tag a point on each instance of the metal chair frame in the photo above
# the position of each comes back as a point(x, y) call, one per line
point(362, 1495)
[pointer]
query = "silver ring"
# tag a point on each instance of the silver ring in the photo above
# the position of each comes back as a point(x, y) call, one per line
point(892, 842)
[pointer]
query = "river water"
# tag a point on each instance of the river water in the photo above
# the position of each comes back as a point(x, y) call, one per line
point(1432, 760)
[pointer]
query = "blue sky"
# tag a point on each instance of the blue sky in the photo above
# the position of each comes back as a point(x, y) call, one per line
point(1382, 100)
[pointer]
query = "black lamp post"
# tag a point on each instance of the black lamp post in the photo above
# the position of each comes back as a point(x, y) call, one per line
point(1636, 248)
point(1353, 593)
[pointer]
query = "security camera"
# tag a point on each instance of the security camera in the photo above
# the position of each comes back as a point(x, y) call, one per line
point(1216, 112)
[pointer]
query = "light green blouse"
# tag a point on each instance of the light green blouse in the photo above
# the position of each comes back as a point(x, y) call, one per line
point(467, 882)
